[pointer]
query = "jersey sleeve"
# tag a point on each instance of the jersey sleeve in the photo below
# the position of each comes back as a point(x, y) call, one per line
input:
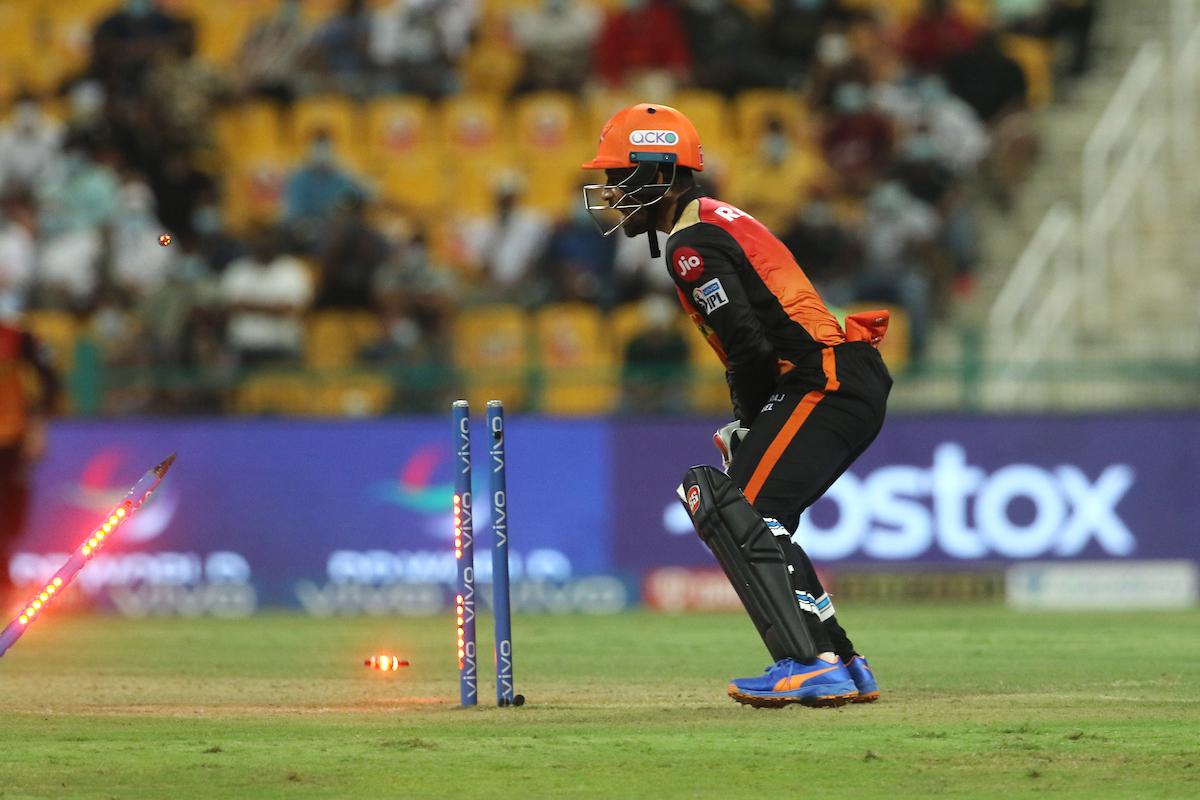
point(706, 265)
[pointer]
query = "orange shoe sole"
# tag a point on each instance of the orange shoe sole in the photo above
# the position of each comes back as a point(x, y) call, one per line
point(869, 697)
point(826, 701)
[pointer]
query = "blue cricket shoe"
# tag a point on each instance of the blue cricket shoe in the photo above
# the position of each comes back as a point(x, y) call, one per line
point(864, 679)
point(787, 681)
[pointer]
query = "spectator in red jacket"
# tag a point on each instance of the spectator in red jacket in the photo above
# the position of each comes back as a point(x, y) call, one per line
point(644, 36)
point(936, 35)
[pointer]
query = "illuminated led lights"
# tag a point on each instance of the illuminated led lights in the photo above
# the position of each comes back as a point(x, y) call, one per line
point(29, 612)
point(121, 511)
point(22, 619)
point(57, 581)
point(87, 551)
point(44, 596)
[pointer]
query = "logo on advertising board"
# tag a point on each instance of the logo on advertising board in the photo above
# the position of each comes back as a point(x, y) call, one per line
point(100, 487)
point(415, 490)
point(693, 497)
point(1018, 511)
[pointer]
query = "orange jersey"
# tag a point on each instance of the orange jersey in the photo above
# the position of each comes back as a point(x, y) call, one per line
point(748, 296)
point(19, 353)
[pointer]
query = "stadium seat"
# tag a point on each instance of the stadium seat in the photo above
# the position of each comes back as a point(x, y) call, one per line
point(491, 350)
point(221, 28)
point(709, 112)
point(1035, 58)
point(254, 193)
point(255, 130)
point(578, 372)
point(336, 115)
point(355, 395)
point(547, 150)
point(400, 127)
point(478, 147)
point(334, 338)
point(772, 193)
point(753, 109)
point(490, 67)
point(276, 393)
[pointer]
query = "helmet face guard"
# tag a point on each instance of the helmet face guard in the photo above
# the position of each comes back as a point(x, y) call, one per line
point(635, 191)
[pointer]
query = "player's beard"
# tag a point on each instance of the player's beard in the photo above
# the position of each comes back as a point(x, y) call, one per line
point(639, 222)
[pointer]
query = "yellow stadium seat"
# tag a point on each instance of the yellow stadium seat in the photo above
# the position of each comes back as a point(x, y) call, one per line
point(17, 40)
point(547, 126)
point(399, 127)
point(1035, 58)
point(576, 359)
point(337, 116)
point(252, 131)
point(624, 323)
point(491, 67)
point(356, 395)
point(491, 352)
point(754, 108)
point(709, 112)
point(897, 343)
point(415, 182)
point(284, 393)
point(57, 331)
point(221, 28)
point(772, 193)
point(254, 192)
point(473, 124)
point(600, 108)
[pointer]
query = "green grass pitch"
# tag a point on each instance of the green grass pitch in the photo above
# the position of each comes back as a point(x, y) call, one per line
point(978, 701)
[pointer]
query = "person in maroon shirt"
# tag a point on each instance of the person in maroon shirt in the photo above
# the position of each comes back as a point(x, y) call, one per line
point(935, 36)
point(644, 36)
point(809, 397)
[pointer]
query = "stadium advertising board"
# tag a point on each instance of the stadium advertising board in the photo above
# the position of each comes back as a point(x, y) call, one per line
point(948, 493)
point(333, 517)
point(354, 517)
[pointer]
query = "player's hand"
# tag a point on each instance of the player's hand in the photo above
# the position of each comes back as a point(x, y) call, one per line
point(727, 438)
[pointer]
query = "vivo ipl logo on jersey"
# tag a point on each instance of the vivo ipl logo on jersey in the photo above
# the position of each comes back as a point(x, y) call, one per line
point(655, 137)
point(710, 296)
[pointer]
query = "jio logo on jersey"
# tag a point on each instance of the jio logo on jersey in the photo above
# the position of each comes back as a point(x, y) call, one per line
point(688, 263)
point(644, 137)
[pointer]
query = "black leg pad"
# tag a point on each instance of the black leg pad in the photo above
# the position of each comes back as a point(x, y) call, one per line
point(753, 561)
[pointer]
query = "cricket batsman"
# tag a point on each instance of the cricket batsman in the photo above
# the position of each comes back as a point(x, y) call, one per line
point(808, 397)
point(22, 433)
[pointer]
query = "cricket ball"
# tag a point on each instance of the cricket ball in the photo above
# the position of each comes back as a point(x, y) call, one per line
point(165, 239)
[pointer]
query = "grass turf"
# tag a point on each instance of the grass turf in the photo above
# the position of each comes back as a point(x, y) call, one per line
point(978, 701)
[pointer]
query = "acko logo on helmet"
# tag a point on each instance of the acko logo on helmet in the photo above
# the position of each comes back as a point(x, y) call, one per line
point(655, 137)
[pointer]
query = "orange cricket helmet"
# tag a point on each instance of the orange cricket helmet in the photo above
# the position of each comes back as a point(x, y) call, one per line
point(646, 138)
point(647, 128)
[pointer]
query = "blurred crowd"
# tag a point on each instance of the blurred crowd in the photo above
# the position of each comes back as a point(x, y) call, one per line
point(910, 123)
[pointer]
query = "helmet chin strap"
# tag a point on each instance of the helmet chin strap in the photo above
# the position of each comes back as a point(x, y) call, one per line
point(652, 238)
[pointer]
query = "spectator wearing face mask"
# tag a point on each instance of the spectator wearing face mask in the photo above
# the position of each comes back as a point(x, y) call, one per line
point(857, 141)
point(315, 191)
point(29, 143)
point(77, 201)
